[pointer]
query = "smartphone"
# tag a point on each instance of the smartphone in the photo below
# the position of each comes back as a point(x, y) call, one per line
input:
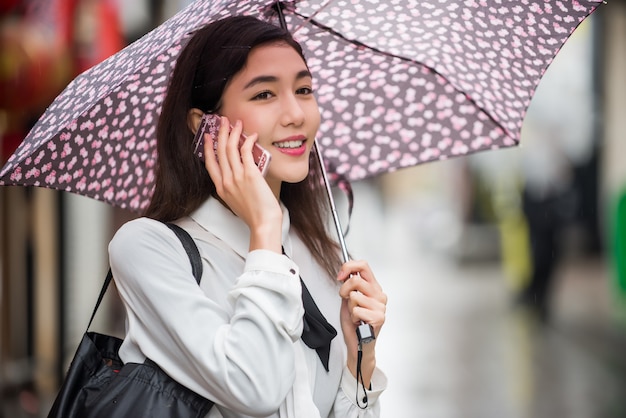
point(210, 124)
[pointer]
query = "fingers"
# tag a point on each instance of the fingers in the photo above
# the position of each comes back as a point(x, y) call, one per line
point(228, 159)
point(364, 296)
point(210, 159)
point(366, 309)
point(361, 278)
point(247, 158)
point(355, 267)
point(231, 146)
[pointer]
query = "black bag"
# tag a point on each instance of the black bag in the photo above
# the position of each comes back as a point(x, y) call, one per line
point(98, 384)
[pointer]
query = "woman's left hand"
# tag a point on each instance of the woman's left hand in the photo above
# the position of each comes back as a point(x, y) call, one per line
point(363, 300)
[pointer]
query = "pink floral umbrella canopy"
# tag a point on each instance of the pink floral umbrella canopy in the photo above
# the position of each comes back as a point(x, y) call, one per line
point(399, 83)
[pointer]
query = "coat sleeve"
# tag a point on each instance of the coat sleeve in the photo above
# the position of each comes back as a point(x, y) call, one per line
point(345, 403)
point(243, 360)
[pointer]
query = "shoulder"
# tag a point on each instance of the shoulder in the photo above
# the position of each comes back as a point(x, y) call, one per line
point(143, 237)
point(147, 248)
point(139, 230)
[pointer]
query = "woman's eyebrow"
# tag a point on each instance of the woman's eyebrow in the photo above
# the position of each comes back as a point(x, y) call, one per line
point(273, 79)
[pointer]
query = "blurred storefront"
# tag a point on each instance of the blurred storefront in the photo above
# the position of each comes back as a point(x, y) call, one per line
point(52, 246)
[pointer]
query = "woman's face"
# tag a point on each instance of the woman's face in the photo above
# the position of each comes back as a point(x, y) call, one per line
point(273, 96)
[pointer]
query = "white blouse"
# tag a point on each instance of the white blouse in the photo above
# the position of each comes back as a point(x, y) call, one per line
point(235, 339)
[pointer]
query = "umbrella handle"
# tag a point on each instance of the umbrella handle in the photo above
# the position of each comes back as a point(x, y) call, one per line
point(364, 332)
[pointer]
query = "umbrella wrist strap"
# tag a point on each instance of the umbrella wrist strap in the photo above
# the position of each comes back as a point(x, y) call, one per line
point(361, 403)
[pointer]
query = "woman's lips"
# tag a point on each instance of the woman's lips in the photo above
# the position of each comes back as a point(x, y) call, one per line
point(294, 146)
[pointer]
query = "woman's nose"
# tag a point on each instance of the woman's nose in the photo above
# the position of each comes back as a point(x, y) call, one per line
point(292, 111)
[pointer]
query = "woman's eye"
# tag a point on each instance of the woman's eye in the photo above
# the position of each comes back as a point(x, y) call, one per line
point(304, 90)
point(264, 95)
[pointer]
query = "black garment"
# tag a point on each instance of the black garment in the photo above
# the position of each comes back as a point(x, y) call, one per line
point(546, 217)
point(317, 332)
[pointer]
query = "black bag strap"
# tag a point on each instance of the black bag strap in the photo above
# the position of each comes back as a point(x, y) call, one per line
point(190, 248)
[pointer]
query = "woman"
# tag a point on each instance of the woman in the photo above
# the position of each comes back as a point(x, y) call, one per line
point(238, 339)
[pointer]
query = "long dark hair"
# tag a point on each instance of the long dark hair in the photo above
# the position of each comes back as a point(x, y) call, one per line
point(213, 55)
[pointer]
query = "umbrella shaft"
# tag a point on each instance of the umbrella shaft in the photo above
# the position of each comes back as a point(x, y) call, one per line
point(281, 16)
point(364, 332)
point(342, 243)
point(331, 202)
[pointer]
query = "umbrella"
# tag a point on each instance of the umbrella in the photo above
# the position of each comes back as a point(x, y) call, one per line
point(399, 83)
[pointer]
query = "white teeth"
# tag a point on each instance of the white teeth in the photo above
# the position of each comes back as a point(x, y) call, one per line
point(289, 144)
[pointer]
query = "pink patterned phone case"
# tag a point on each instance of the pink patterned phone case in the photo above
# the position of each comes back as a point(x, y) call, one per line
point(210, 124)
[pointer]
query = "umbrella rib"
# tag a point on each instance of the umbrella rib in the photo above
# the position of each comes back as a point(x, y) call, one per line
point(308, 19)
point(360, 44)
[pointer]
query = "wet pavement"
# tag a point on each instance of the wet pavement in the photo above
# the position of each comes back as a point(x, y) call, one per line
point(454, 346)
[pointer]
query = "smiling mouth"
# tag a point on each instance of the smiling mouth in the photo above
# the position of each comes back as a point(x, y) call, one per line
point(289, 144)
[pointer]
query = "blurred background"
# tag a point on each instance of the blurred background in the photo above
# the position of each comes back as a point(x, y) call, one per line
point(505, 271)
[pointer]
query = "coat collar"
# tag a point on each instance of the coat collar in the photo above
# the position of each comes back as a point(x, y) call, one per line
point(216, 218)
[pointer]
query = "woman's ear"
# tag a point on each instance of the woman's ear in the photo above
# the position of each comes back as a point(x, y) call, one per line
point(194, 116)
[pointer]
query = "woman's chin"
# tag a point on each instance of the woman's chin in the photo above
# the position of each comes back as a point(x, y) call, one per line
point(289, 176)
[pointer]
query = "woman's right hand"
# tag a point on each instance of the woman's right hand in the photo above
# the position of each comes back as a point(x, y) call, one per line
point(240, 184)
